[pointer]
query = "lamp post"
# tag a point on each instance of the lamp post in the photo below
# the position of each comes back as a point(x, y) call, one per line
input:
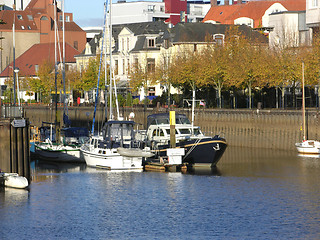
point(16, 70)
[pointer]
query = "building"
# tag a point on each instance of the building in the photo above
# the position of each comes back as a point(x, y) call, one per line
point(170, 11)
point(34, 25)
point(31, 60)
point(313, 16)
point(154, 43)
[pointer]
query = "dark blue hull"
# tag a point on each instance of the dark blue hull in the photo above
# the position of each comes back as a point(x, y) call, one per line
point(206, 151)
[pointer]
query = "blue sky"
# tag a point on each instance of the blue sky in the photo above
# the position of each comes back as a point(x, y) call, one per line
point(86, 13)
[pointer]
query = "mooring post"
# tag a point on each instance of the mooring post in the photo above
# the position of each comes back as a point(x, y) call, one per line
point(172, 129)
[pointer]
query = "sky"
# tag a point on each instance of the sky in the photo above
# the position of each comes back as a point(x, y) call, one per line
point(86, 13)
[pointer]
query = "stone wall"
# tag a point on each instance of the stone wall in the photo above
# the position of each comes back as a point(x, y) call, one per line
point(273, 129)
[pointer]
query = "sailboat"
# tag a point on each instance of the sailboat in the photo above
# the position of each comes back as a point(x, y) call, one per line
point(307, 146)
point(67, 148)
point(114, 148)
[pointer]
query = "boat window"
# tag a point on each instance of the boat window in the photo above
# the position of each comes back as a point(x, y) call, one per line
point(161, 133)
point(92, 141)
point(153, 122)
point(154, 133)
point(184, 131)
point(182, 120)
point(168, 131)
point(196, 131)
point(163, 121)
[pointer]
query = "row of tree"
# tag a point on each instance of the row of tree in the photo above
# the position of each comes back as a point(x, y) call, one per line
point(237, 64)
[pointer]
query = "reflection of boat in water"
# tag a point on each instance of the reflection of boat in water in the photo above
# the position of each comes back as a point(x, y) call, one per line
point(199, 149)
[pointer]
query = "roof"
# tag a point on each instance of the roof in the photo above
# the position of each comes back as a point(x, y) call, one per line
point(197, 32)
point(254, 9)
point(37, 55)
point(22, 21)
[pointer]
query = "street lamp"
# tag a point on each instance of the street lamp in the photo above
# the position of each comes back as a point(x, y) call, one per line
point(16, 70)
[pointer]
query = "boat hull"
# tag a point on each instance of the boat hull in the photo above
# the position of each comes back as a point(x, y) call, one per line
point(308, 147)
point(59, 153)
point(205, 151)
point(13, 180)
point(110, 159)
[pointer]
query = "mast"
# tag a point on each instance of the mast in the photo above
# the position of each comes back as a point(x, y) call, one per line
point(303, 106)
point(14, 53)
point(110, 49)
point(65, 110)
point(55, 62)
point(101, 54)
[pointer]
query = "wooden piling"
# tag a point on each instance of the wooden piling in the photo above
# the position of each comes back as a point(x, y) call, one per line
point(14, 147)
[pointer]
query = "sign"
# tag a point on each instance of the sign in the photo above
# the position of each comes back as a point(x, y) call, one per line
point(18, 123)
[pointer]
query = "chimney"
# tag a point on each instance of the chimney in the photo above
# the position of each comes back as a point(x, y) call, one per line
point(214, 3)
point(226, 2)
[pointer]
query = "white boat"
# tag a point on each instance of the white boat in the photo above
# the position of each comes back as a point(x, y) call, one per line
point(13, 180)
point(102, 151)
point(306, 146)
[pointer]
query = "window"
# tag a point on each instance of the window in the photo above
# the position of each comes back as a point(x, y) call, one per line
point(123, 67)
point(151, 91)
point(122, 41)
point(43, 18)
point(67, 18)
point(151, 42)
point(218, 39)
point(30, 17)
point(161, 8)
point(182, 16)
point(128, 44)
point(22, 27)
point(151, 8)
point(128, 68)
point(116, 66)
point(151, 65)
point(19, 17)
point(75, 45)
point(314, 3)
point(29, 27)
point(36, 68)
point(60, 18)
point(136, 62)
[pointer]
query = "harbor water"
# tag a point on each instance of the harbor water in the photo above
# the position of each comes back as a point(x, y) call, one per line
point(254, 194)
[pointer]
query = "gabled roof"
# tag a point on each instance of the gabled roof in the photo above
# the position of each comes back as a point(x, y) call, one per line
point(197, 32)
point(37, 55)
point(254, 9)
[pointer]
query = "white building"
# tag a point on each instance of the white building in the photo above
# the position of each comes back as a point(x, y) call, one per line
point(313, 15)
point(135, 12)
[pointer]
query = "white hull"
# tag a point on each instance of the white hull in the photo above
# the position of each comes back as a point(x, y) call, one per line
point(110, 159)
point(308, 147)
point(13, 180)
point(59, 153)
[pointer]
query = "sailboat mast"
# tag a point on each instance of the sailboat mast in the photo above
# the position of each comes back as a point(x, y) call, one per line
point(110, 50)
point(55, 62)
point(63, 60)
point(303, 106)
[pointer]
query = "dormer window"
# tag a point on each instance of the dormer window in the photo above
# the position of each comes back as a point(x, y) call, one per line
point(218, 39)
point(22, 27)
point(19, 17)
point(151, 42)
point(30, 18)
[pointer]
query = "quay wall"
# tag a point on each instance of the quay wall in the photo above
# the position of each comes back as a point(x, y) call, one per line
point(271, 129)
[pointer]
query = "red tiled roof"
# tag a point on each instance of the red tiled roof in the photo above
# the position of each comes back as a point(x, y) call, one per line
point(20, 24)
point(254, 9)
point(37, 55)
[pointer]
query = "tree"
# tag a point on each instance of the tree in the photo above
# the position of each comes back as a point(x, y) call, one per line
point(89, 78)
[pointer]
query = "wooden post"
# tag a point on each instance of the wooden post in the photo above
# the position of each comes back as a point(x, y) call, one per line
point(172, 129)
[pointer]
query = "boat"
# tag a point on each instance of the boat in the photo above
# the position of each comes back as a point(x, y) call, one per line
point(13, 180)
point(200, 150)
point(114, 148)
point(67, 148)
point(307, 146)
point(106, 148)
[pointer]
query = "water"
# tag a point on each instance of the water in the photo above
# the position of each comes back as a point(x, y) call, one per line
point(255, 194)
